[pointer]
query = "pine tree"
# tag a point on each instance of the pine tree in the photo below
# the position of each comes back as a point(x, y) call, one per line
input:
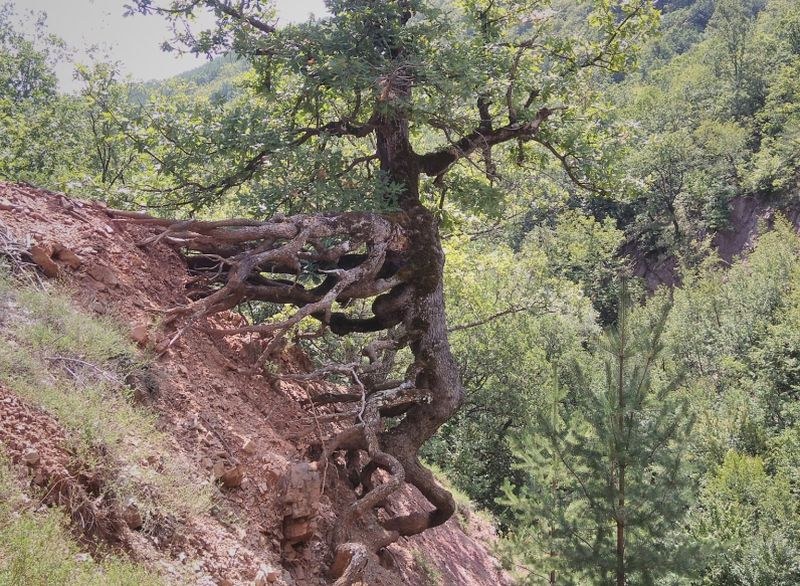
point(608, 477)
point(540, 530)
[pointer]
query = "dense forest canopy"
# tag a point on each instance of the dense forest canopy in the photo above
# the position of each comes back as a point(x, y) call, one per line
point(550, 151)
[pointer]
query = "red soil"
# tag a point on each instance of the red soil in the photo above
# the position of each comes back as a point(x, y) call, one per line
point(217, 411)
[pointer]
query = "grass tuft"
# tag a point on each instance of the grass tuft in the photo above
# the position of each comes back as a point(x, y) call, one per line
point(432, 575)
point(73, 365)
point(36, 548)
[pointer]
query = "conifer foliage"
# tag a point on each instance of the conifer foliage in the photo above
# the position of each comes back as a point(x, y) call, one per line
point(606, 466)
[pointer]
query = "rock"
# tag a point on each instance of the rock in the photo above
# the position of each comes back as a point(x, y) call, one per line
point(266, 575)
point(132, 517)
point(302, 489)
point(233, 477)
point(40, 478)
point(297, 531)
point(162, 346)
point(65, 255)
point(249, 447)
point(261, 576)
point(229, 477)
point(102, 274)
point(139, 334)
point(41, 256)
point(31, 457)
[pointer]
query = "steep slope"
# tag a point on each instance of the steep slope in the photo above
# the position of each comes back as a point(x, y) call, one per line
point(273, 514)
point(749, 217)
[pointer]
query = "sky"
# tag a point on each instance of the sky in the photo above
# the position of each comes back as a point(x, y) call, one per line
point(133, 41)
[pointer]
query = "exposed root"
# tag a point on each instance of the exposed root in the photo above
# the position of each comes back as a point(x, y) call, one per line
point(349, 563)
point(316, 265)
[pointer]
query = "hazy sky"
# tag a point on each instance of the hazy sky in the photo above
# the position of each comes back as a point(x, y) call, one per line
point(133, 41)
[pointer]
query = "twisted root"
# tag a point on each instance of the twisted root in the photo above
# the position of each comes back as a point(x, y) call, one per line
point(318, 264)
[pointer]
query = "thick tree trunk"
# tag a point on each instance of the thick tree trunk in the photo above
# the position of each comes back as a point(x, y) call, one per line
point(424, 317)
point(439, 373)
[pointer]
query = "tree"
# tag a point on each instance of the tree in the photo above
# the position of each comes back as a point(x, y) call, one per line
point(46, 138)
point(374, 109)
point(26, 66)
point(751, 518)
point(27, 93)
point(608, 481)
point(734, 22)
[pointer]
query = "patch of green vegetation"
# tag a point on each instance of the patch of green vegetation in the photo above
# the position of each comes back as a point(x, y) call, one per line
point(36, 548)
point(74, 366)
point(465, 507)
point(433, 577)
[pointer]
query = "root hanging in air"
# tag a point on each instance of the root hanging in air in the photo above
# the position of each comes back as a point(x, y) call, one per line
point(318, 265)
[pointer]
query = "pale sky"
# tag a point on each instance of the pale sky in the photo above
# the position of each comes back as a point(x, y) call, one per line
point(133, 41)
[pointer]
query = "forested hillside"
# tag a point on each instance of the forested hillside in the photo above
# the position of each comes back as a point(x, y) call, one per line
point(605, 197)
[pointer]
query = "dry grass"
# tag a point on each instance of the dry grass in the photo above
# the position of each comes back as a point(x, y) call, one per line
point(36, 548)
point(73, 365)
point(431, 574)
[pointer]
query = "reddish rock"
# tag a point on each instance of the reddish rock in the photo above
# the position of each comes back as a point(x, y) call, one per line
point(132, 517)
point(31, 457)
point(139, 334)
point(249, 447)
point(102, 274)
point(67, 256)
point(40, 254)
point(229, 477)
point(302, 490)
point(297, 531)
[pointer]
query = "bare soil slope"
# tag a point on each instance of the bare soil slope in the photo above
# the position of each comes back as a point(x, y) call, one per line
point(247, 433)
point(749, 217)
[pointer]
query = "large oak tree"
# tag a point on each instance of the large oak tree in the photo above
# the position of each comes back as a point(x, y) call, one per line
point(382, 109)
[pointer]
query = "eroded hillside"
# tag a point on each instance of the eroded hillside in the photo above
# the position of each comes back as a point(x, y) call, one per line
point(181, 457)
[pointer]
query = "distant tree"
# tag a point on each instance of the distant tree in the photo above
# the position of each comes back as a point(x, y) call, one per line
point(750, 518)
point(110, 156)
point(741, 354)
point(26, 61)
point(734, 23)
point(27, 88)
point(606, 461)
